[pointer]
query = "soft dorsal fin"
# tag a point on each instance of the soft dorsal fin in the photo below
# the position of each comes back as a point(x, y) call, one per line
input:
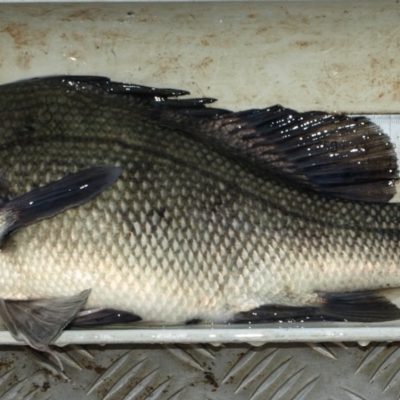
point(333, 154)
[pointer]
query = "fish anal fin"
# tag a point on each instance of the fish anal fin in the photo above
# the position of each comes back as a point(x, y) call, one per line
point(275, 312)
point(361, 306)
point(103, 316)
point(39, 322)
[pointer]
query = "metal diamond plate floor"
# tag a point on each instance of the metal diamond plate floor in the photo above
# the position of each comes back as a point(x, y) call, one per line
point(270, 372)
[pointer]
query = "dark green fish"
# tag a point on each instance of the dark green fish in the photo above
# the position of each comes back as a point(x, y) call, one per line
point(204, 214)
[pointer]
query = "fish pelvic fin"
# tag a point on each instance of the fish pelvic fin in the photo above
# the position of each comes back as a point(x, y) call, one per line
point(54, 198)
point(103, 316)
point(39, 322)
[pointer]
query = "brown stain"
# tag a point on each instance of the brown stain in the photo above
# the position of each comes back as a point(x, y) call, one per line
point(205, 42)
point(396, 86)
point(78, 37)
point(24, 59)
point(204, 63)
point(262, 30)
point(18, 32)
point(24, 36)
point(114, 35)
point(304, 43)
point(82, 15)
point(252, 16)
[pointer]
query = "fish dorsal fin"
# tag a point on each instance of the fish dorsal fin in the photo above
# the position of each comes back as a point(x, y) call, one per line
point(54, 198)
point(333, 154)
point(39, 322)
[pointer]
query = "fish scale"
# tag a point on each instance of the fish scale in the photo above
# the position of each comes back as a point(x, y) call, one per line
point(186, 232)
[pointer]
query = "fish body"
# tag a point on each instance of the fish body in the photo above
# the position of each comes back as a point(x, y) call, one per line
point(186, 232)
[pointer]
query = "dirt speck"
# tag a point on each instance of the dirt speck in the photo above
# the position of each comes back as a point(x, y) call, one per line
point(45, 386)
point(304, 43)
point(78, 37)
point(210, 379)
point(262, 30)
point(204, 63)
point(252, 16)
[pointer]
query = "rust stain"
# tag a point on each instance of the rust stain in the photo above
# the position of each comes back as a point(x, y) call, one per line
point(24, 60)
point(18, 33)
point(23, 36)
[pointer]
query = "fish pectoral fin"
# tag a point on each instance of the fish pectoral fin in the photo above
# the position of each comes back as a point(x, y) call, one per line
point(54, 198)
point(361, 306)
point(39, 322)
point(103, 316)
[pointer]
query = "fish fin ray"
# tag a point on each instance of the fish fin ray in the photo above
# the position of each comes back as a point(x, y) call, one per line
point(103, 316)
point(275, 312)
point(333, 154)
point(83, 83)
point(54, 198)
point(360, 306)
point(39, 322)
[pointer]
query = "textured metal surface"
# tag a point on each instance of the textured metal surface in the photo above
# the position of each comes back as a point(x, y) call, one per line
point(270, 372)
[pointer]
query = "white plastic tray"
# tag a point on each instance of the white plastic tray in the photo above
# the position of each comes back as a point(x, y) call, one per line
point(335, 56)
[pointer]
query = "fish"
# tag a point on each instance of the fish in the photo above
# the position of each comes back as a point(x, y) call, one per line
point(126, 203)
